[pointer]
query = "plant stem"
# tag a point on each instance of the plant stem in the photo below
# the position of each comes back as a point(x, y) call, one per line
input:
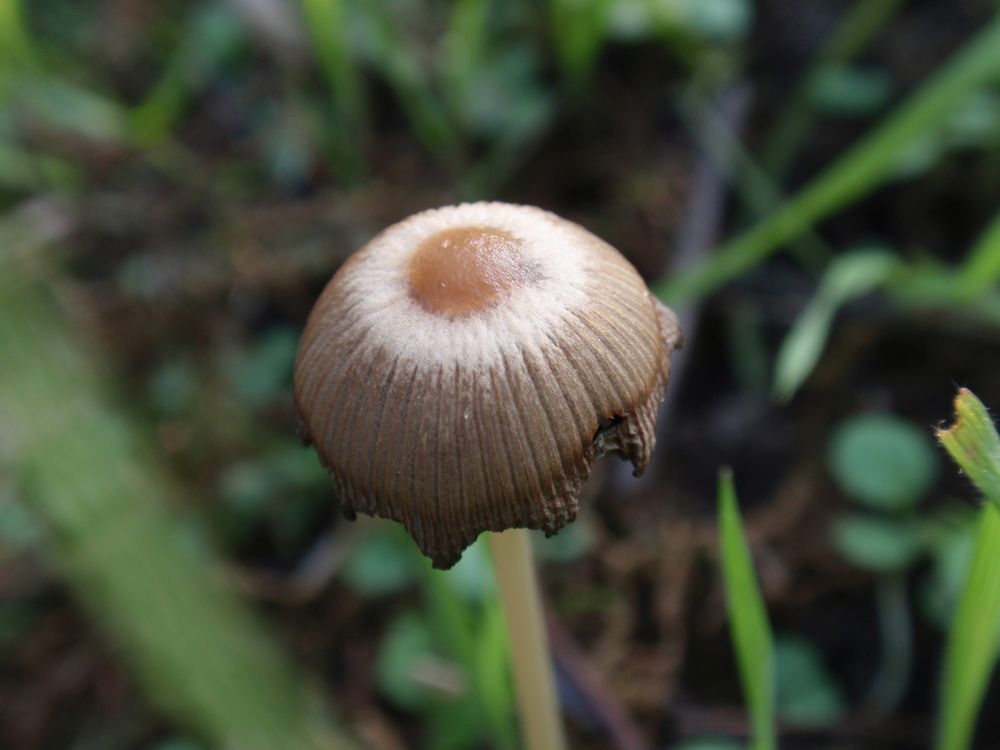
point(541, 725)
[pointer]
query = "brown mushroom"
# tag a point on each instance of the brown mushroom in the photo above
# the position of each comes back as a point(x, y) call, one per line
point(463, 371)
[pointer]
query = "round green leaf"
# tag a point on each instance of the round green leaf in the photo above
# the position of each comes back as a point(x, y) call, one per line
point(882, 461)
point(380, 564)
point(876, 544)
point(807, 694)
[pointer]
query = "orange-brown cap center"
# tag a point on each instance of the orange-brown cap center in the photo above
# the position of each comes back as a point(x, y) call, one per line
point(461, 271)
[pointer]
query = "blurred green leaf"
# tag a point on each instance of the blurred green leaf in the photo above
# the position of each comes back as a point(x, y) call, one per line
point(17, 617)
point(18, 528)
point(849, 276)
point(466, 622)
point(21, 169)
point(329, 27)
point(173, 386)
point(505, 94)
point(264, 369)
point(454, 727)
point(882, 462)
point(281, 485)
point(579, 28)
point(472, 576)
point(406, 644)
point(974, 124)
point(940, 591)
point(57, 104)
point(977, 122)
point(465, 44)
point(571, 543)
point(806, 693)
point(981, 270)
point(386, 43)
point(198, 652)
point(17, 49)
point(707, 743)
point(849, 90)
point(714, 20)
point(751, 632)
point(492, 674)
point(326, 22)
point(380, 564)
point(211, 36)
point(877, 544)
point(177, 743)
point(718, 21)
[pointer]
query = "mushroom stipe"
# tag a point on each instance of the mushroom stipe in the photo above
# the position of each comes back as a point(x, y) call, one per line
point(463, 370)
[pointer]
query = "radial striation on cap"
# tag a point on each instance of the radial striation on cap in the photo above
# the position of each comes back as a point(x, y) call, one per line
point(463, 371)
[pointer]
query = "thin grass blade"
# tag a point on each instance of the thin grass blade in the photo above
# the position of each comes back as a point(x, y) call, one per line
point(85, 473)
point(974, 637)
point(751, 632)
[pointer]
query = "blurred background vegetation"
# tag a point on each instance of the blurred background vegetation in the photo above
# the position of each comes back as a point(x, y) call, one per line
point(813, 184)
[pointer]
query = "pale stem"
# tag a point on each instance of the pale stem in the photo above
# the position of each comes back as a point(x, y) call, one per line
point(541, 723)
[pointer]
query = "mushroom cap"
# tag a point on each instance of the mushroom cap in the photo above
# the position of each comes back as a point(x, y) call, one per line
point(463, 370)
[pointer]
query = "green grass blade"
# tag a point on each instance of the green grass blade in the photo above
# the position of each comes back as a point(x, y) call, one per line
point(464, 44)
point(17, 48)
point(755, 187)
point(213, 35)
point(862, 168)
point(396, 57)
point(326, 21)
point(981, 270)
point(974, 637)
point(751, 632)
point(83, 471)
point(579, 28)
point(972, 441)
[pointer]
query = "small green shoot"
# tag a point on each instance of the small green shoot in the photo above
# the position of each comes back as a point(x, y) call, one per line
point(973, 640)
point(751, 632)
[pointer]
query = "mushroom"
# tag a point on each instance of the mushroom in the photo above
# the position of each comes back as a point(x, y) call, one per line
point(463, 370)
